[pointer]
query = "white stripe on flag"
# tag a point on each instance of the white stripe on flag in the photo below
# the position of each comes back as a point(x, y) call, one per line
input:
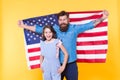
point(33, 46)
point(99, 29)
point(83, 39)
point(34, 54)
point(34, 62)
point(92, 47)
point(91, 56)
point(83, 15)
point(85, 21)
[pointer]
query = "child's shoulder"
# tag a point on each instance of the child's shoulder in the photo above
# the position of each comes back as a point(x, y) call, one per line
point(41, 42)
point(58, 41)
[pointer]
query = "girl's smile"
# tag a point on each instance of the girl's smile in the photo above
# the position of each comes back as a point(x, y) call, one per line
point(48, 34)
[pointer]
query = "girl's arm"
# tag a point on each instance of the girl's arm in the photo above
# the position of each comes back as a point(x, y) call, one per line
point(41, 60)
point(61, 69)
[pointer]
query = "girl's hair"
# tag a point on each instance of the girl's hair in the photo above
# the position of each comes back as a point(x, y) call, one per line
point(52, 30)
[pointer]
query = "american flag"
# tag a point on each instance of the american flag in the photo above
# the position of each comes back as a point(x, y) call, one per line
point(91, 45)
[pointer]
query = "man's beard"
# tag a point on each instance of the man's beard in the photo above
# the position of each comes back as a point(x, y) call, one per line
point(65, 28)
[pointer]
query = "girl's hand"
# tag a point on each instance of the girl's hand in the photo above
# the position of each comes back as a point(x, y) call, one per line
point(42, 70)
point(61, 69)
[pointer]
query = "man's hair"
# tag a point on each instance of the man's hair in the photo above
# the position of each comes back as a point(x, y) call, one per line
point(52, 30)
point(62, 13)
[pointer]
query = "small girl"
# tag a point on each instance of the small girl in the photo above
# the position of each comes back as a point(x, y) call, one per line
point(49, 60)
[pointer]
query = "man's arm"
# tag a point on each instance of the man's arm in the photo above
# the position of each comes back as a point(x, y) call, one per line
point(22, 25)
point(105, 15)
point(92, 24)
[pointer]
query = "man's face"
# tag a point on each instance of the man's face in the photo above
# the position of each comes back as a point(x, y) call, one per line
point(63, 23)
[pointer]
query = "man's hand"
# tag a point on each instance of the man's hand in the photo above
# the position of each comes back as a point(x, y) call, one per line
point(105, 14)
point(21, 24)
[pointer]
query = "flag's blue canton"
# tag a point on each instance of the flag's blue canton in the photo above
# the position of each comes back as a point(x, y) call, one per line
point(31, 37)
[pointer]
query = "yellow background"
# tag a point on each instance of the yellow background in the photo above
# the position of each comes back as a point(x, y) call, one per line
point(13, 64)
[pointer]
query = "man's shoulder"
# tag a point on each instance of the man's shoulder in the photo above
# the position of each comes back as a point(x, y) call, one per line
point(55, 26)
point(72, 26)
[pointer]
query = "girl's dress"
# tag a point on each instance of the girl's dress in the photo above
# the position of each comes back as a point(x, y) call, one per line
point(51, 61)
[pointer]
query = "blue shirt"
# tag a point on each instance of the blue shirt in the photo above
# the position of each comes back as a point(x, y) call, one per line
point(69, 38)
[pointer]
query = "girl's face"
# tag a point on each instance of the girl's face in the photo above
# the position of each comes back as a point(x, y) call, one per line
point(48, 34)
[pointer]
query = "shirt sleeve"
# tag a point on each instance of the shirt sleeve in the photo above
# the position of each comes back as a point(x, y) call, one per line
point(56, 27)
point(83, 27)
point(59, 43)
point(38, 29)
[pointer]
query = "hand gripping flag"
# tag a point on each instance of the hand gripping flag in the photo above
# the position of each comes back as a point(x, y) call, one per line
point(91, 45)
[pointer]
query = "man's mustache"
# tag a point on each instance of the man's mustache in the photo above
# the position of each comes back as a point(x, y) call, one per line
point(63, 24)
point(65, 28)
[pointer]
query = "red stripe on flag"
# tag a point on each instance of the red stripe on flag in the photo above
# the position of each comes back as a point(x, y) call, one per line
point(92, 51)
point(33, 49)
point(102, 24)
point(93, 34)
point(34, 66)
point(92, 60)
point(34, 58)
point(85, 12)
point(92, 43)
point(85, 18)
